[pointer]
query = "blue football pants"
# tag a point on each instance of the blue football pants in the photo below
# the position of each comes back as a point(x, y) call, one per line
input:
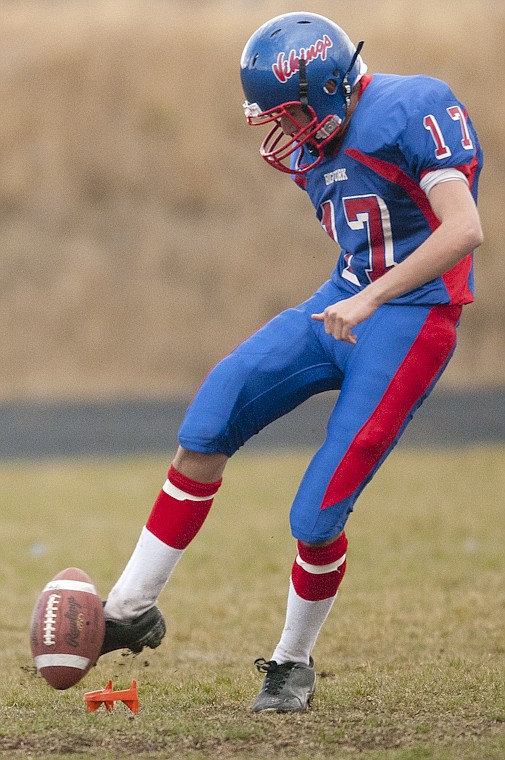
point(400, 353)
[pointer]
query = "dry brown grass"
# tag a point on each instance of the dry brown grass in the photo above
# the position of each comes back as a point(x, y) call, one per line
point(141, 235)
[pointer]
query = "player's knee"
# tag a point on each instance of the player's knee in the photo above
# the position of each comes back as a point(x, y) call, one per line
point(314, 526)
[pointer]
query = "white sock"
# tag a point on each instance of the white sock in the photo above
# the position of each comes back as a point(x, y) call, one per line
point(304, 620)
point(176, 517)
point(143, 578)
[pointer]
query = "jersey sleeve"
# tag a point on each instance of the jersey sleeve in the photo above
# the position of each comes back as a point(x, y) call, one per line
point(439, 133)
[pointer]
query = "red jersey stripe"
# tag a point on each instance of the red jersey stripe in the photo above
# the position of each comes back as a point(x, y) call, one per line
point(456, 280)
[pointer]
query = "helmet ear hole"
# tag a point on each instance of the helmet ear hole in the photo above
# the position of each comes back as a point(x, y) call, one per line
point(330, 87)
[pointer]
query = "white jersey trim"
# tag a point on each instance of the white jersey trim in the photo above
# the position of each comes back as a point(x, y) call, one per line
point(437, 176)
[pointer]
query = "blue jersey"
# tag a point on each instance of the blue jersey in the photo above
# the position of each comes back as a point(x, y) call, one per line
point(368, 195)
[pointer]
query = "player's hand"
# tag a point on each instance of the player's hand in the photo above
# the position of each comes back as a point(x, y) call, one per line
point(340, 318)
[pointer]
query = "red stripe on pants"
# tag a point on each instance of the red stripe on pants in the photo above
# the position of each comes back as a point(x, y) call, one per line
point(425, 359)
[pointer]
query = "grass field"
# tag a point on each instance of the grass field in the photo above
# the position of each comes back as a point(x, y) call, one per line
point(411, 662)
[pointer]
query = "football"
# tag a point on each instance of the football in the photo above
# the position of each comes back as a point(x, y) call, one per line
point(67, 628)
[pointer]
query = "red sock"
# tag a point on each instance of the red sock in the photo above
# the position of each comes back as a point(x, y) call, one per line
point(312, 585)
point(180, 509)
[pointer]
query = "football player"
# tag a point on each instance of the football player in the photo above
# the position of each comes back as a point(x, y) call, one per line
point(391, 165)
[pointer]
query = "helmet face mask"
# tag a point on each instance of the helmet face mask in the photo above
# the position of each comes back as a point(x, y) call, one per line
point(288, 133)
point(298, 64)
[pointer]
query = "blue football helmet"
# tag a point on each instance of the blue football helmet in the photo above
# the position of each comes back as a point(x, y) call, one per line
point(304, 60)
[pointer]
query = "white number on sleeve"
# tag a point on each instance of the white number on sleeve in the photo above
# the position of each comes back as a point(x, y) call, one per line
point(442, 150)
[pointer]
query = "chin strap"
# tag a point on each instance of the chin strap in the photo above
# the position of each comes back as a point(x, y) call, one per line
point(303, 85)
point(356, 54)
point(346, 85)
point(303, 95)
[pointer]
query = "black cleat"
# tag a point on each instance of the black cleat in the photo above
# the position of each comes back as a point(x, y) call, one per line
point(288, 687)
point(145, 631)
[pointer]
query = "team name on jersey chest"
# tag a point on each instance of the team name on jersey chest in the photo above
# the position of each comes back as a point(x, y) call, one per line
point(338, 175)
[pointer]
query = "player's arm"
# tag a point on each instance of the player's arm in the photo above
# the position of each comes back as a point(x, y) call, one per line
point(458, 234)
